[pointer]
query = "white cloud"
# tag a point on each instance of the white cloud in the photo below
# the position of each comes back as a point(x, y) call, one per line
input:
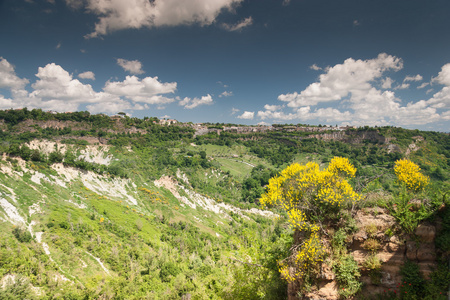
point(417, 77)
point(226, 94)
point(56, 83)
point(423, 85)
point(386, 83)
point(286, 2)
point(356, 23)
point(118, 14)
point(247, 115)
point(8, 77)
point(131, 66)
point(349, 91)
point(352, 77)
point(446, 115)
point(192, 103)
point(276, 115)
point(234, 111)
point(238, 26)
point(403, 86)
point(56, 89)
point(443, 76)
point(147, 90)
point(441, 99)
point(58, 46)
point(272, 107)
point(114, 106)
point(87, 75)
point(6, 103)
point(315, 67)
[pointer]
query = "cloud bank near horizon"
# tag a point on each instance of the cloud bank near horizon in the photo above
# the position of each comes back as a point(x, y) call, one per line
point(56, 89)
point(358, 92)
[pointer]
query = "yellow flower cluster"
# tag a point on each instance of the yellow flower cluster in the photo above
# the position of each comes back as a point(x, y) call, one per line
point(341, 166)
point(283, 268)
point(310, 253)
point(409, 173)
point(298, 219)
point(300, 184)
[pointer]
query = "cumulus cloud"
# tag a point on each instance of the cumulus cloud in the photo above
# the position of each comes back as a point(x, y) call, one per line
point(87, 75)
point(443, 76)
point(56, 89)
point(347, 93)
point(56, 83)
point(8, 77)
point(441, 99)
point(118, 14)
point(272, 107)
point(192, 103)
point(114, 106)
point(352, 77)
point(238, 26)
point(147, 90)
point(386, 83)
point(226, 94)
point(131, 66)
point(247, 115)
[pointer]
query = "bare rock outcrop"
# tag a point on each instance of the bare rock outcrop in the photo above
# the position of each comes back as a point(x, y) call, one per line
point(375, 238)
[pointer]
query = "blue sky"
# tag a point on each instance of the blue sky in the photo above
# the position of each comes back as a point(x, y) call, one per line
point(346, 62)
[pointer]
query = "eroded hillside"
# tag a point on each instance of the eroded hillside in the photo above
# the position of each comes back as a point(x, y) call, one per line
point(110, 208)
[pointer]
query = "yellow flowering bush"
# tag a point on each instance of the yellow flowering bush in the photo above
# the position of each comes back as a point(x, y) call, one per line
point(306, 186)
point(310, 195)
point(409, 173)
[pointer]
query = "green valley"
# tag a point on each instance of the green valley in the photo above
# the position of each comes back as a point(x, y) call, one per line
point(100, 207)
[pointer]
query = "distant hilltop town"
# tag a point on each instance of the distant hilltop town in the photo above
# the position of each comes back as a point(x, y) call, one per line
point(205, 128)
point(200, 128)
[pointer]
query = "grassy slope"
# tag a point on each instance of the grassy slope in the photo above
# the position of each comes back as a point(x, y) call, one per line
point(136, 242)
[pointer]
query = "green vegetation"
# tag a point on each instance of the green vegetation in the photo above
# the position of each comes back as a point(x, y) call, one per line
point(74, 177)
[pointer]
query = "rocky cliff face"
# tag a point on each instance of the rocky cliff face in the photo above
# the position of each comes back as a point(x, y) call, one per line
point(353, 137)
point(375, 238)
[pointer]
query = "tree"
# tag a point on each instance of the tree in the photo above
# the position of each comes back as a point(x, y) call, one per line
point(310, 196)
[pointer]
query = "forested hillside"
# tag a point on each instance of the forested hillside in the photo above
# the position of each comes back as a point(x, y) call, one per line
point(99, 207)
